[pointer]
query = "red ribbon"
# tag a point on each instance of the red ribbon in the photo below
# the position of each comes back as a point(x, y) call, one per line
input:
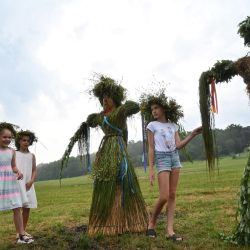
point(214, 98)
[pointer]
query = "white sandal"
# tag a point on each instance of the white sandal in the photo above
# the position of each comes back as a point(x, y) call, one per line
point(26, 234)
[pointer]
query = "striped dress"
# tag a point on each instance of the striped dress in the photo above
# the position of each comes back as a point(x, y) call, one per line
point(9, 191)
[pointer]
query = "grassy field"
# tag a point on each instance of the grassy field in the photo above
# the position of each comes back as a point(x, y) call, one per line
point(205, 207)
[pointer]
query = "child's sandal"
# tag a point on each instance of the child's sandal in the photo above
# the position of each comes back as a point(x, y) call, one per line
point(174, 237)
point(23, 239)
point(28, 235)
point(151, 233)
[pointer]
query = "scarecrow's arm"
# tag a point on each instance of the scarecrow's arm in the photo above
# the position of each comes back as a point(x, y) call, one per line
point(129, 108)
point(80, 136)
point(94, 120)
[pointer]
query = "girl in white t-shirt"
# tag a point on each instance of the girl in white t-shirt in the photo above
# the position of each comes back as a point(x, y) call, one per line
point(163, 144)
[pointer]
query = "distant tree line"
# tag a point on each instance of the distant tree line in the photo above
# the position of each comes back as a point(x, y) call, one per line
point(231, 141)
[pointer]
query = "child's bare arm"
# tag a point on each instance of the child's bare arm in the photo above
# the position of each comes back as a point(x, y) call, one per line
point(151, 155)
point(33, 175)
point(14, 167)
point(180, 144)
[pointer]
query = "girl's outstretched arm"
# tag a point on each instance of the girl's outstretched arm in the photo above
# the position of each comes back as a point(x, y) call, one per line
point(180, 144)
point(151, 156)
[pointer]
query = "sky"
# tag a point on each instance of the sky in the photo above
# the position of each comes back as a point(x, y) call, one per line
point(51, 49)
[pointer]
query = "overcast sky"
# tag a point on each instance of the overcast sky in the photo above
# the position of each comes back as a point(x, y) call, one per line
point(49, 49)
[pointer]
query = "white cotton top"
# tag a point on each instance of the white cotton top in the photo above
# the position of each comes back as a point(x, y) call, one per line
point(24, 164)
point(164, 135)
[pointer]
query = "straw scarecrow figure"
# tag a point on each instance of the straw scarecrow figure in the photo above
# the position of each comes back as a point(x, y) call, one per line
point(223, 71)
point(117, 202)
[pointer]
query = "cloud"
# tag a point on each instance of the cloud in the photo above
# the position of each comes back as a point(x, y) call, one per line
point(50, 49)
point(22, 26)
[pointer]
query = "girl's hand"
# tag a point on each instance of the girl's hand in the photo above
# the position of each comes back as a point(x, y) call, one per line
point(197, 131)
point(29, 185)
point(151, 176)
point(19, 175)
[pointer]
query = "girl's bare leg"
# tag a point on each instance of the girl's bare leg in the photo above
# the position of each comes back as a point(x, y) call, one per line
point(26, 214)
point(173, 181)
point(18, 220)
point(163, 181)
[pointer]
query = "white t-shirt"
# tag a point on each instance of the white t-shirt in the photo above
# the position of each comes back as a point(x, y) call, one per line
point(164, 135)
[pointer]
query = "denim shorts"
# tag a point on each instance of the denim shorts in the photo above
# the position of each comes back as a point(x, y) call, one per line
point(167, 161)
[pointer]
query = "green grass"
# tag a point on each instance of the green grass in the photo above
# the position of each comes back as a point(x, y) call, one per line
point(206, 206)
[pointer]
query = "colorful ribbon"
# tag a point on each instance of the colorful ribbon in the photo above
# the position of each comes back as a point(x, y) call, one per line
point(88, 154)
point(144, 143)
point(214, 101)
point(124, 162)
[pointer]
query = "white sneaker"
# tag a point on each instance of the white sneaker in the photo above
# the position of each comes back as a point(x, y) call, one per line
point(23, 239)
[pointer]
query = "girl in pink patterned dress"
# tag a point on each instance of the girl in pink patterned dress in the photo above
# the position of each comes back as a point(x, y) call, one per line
point(10, 198)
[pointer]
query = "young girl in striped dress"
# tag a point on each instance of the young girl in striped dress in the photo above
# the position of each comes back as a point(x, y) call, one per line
point(10, 198)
